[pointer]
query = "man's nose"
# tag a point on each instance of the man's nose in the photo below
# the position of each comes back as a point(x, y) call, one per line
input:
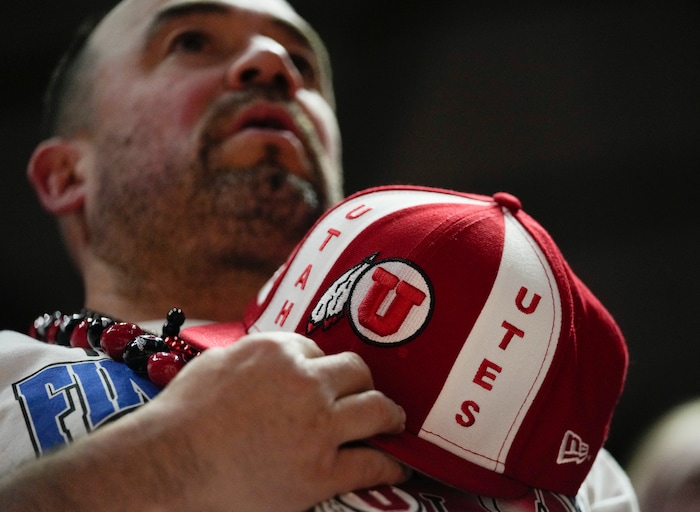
point(266, 63)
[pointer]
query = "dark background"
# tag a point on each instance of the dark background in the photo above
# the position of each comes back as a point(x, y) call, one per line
point(588, 112)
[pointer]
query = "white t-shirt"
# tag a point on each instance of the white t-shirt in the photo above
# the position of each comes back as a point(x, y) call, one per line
point(606, 489)
point(51, 395)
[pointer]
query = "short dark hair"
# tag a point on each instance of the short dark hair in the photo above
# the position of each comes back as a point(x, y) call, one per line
point(61, 112)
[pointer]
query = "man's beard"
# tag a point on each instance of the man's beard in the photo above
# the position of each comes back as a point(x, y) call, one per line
point(264, 209)
point(273, 208)
point(246, 220)
point(194, 222)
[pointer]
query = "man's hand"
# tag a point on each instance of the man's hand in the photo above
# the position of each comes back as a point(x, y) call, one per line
point(268, 424)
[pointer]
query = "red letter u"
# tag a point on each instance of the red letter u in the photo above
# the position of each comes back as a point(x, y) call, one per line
point(406, 297)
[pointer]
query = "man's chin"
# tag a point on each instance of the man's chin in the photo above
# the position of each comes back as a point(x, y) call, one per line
point(263, 205)
point(268, 189)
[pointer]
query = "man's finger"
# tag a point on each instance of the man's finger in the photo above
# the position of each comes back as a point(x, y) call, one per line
point(364, 415)
point(294, 342)
point(360, 467)
point(346, 373)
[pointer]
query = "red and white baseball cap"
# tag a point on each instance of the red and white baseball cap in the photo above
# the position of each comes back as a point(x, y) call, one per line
point(466, 312)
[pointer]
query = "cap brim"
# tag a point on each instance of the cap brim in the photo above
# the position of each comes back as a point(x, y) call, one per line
point(447, 468)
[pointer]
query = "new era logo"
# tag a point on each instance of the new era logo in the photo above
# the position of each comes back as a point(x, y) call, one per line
point(572, 449)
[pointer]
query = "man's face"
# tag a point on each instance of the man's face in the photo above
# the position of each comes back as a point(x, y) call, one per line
point(212, 132)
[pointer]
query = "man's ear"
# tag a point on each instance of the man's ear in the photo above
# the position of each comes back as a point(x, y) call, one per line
point(54, 172)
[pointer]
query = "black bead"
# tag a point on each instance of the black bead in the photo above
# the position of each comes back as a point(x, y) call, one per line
point(139, 349)
point(174, 321)
point(95, 329)
point(67, 325)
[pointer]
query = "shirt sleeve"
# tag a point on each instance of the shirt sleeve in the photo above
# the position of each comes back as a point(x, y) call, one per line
point(607, 487)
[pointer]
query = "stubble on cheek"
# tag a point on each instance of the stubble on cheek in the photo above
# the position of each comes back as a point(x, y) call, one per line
point(137, 200)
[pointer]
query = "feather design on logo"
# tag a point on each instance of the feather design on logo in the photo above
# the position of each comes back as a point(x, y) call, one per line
point(331, 305)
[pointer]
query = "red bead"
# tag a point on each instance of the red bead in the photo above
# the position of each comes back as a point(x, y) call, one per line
point(163, 366)
point(181, 347)
point(78, 338)
point(52, 330)
point(34, 328)
point(45, 323)
point(116, 337)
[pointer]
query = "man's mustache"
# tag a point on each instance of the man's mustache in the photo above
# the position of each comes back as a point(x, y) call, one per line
point(219, 116)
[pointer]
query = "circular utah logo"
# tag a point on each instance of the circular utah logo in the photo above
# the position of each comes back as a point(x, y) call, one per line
point(390, 302)
point(387, 302)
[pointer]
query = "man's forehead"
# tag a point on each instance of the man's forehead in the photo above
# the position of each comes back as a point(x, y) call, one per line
point(128, 25)
point(274, 7)
point(134, 13)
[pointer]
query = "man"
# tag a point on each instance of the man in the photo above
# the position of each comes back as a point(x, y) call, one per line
point(193, 145)
point(192, 131)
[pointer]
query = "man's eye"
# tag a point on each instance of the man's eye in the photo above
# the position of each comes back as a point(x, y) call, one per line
point(189, 42)
point(305, 68)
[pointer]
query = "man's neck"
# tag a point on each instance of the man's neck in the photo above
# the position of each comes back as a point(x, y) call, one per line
point(223, 299)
